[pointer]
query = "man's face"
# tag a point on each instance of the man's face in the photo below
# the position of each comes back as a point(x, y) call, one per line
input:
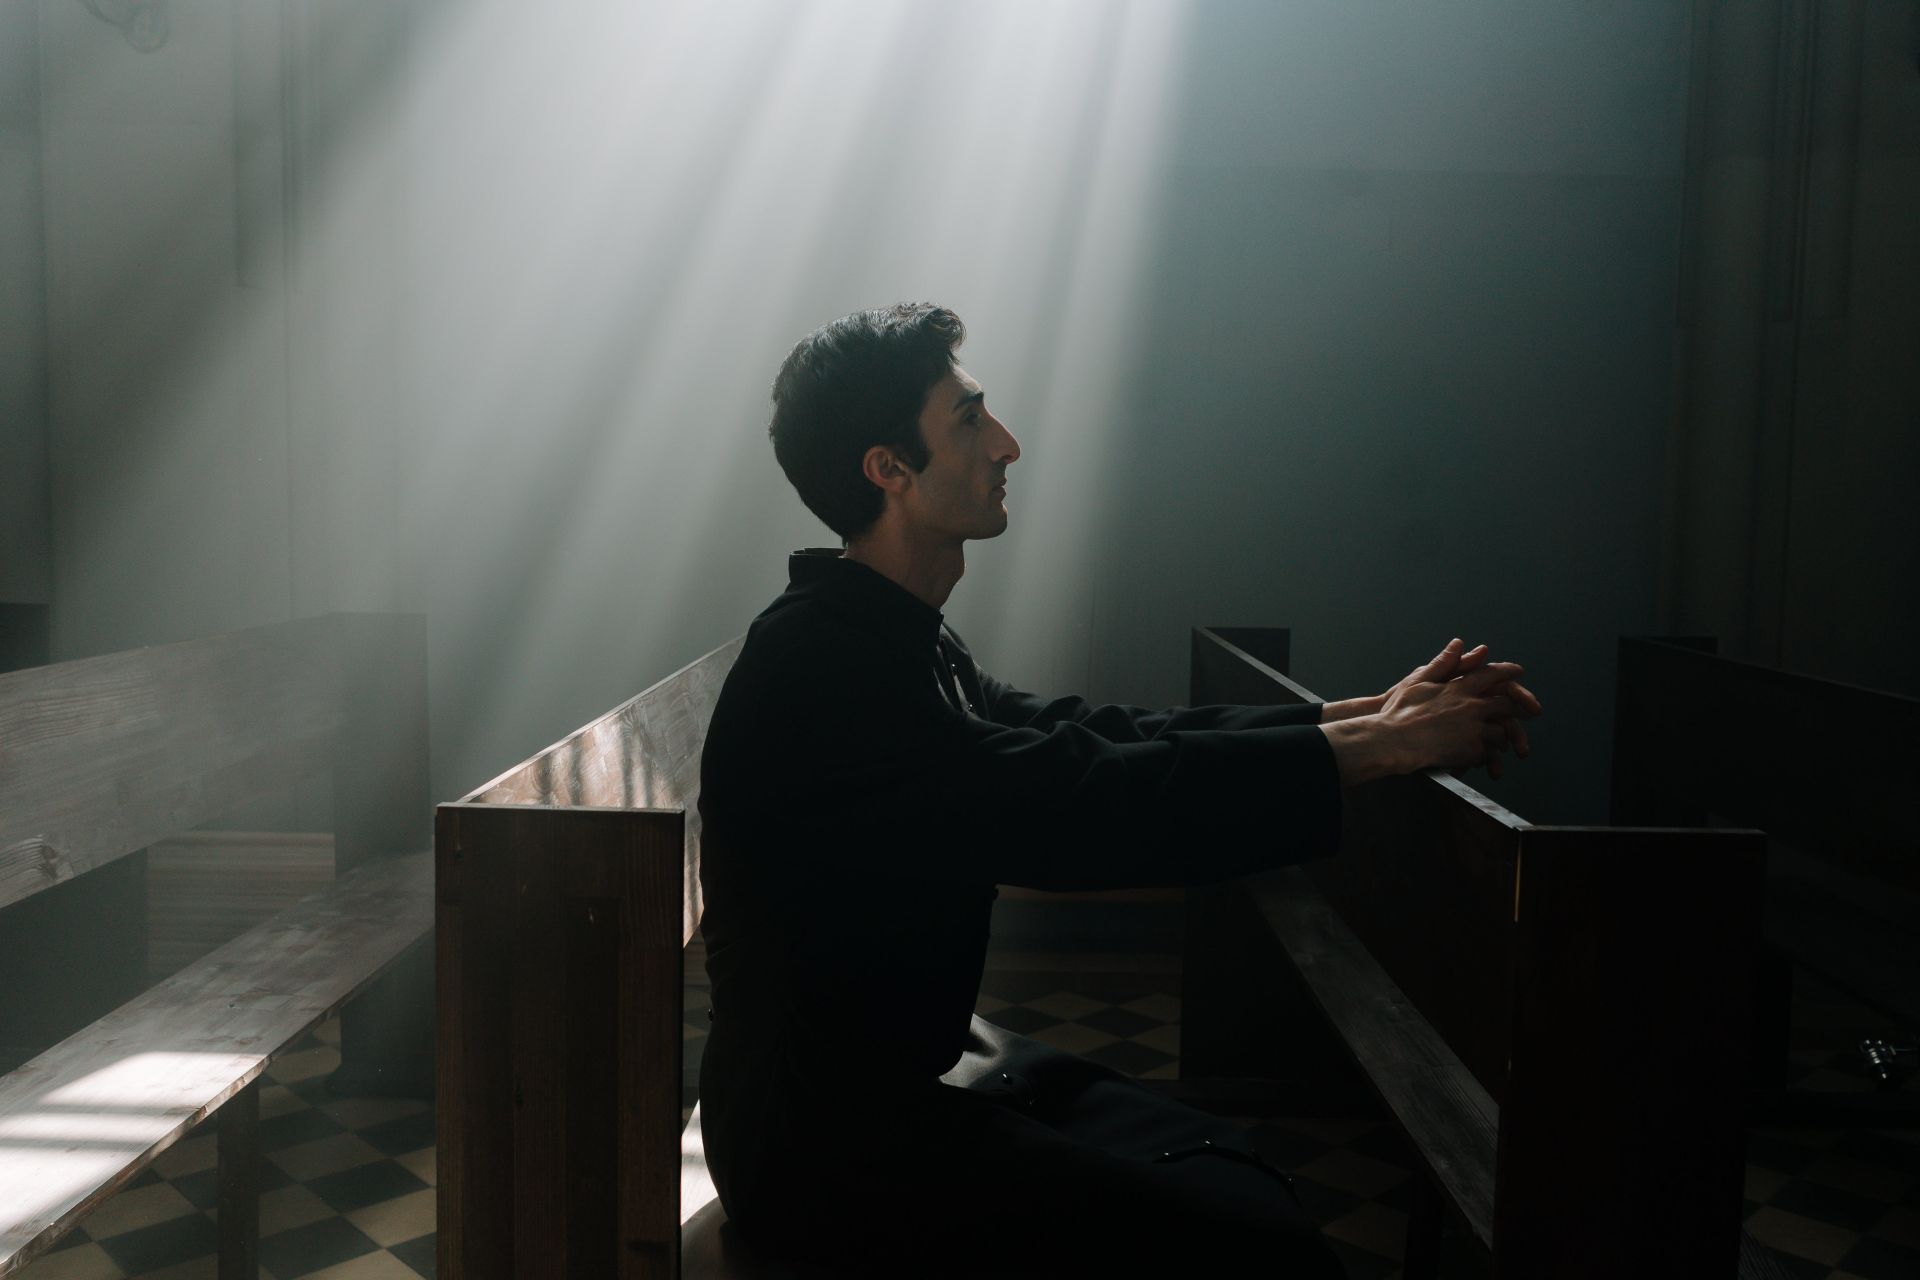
point(961, 492)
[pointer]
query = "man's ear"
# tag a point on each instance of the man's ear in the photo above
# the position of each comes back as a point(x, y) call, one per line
point(884, 469)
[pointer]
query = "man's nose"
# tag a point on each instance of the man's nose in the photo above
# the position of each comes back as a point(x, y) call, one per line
point(1009, 448)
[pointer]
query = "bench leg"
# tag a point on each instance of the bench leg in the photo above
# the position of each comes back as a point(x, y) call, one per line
point(386, 1033)
point(1421, 1258)
point(238, 1211)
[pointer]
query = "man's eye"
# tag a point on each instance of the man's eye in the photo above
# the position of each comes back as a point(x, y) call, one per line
point(973, 419)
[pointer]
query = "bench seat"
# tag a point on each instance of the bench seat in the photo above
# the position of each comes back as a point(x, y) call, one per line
point(1448, 1116)
point(80, 1120)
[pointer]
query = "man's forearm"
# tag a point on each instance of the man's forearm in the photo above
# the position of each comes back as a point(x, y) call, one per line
point(1364, 748)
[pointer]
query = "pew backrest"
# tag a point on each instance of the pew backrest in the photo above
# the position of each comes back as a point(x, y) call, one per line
point(1825, 766)
point(566, 891)
point(101, 757)
point(1591, 985)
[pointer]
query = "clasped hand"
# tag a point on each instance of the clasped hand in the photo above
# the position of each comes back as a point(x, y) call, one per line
point(1461, 708)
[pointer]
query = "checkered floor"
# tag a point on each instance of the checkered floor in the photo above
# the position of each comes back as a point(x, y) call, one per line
point(1835, 1203)
point(1351, 1173)
point(349, 1192)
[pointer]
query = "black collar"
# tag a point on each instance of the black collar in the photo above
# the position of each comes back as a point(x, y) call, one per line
point(868, 595)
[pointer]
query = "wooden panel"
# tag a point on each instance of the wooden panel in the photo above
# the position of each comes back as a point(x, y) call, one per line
point(237, 1203)
point(1225, 673)
point(1425, 879)
point(1270, 646)
point(107, 755)
point(83, 1118)
point(560, 1029)
point(209, 887)
point(643, 754)
point(1622, 1129)
point(1243, 1014)
point(1595, 985)
point(1450, 1118)
point(1826, 766)
point(1844, 875)
point(1424, 876)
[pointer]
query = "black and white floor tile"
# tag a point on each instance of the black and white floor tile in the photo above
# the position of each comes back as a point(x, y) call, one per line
point(347, 1191)
point(1836, 1202)
point(349, 1182)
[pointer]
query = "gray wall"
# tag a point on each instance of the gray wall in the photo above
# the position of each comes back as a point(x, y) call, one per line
point(25, 537)
point(1797, 430)
point(1357, 318)
point(1407, 368)
point(222, 302)
point(167, 378)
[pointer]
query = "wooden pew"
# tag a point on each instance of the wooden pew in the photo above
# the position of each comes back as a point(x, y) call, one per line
point(103, 757)
point(1555, 1016)
point(1827, 770)
point(567, 895)
point(567, 890)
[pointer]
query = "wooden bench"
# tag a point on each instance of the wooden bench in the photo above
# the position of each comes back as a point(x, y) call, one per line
point(567, 895)
point(103, 757)
point(567, 890)
point(1827, 770)
point(1553, 1015)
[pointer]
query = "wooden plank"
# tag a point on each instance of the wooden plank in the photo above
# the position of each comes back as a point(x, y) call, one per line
point(1226, 671)
point(1424, 876)
point(1843, 896)
point(1425, 879)
point(108, 755)
point(1623, 1124)
point(207, 887)
point(1450, 1118)
point(1245, 1015)
point(1542, 1009)
point(535, 1008)
point(474, 1076)
point(656, 896)
point(561, 941)
point(644, 754)
point(237, 1211)
point(84, 1117)
point(1696, 734)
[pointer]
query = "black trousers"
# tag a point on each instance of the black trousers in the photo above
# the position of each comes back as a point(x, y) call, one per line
point(1027, 1161)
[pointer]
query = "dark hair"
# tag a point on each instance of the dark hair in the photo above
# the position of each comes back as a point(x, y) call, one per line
point(851, 385)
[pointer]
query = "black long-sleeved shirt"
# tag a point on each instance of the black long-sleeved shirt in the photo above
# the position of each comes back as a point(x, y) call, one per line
point(865, 786)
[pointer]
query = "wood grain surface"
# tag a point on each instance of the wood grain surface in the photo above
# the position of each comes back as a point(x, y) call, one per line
point(1451, 1120)
point(567, 890)
point(643, 754)
point(1623, 1126)
point(560, 945)
point(107, 755)
point(207, 887)
point(80, 1120)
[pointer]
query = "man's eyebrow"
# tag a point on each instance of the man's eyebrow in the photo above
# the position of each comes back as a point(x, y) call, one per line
point(975, 396)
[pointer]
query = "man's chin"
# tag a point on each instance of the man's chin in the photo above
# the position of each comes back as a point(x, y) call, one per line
point(990, 528)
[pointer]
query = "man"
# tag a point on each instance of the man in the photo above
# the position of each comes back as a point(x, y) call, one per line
point(864, 788)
